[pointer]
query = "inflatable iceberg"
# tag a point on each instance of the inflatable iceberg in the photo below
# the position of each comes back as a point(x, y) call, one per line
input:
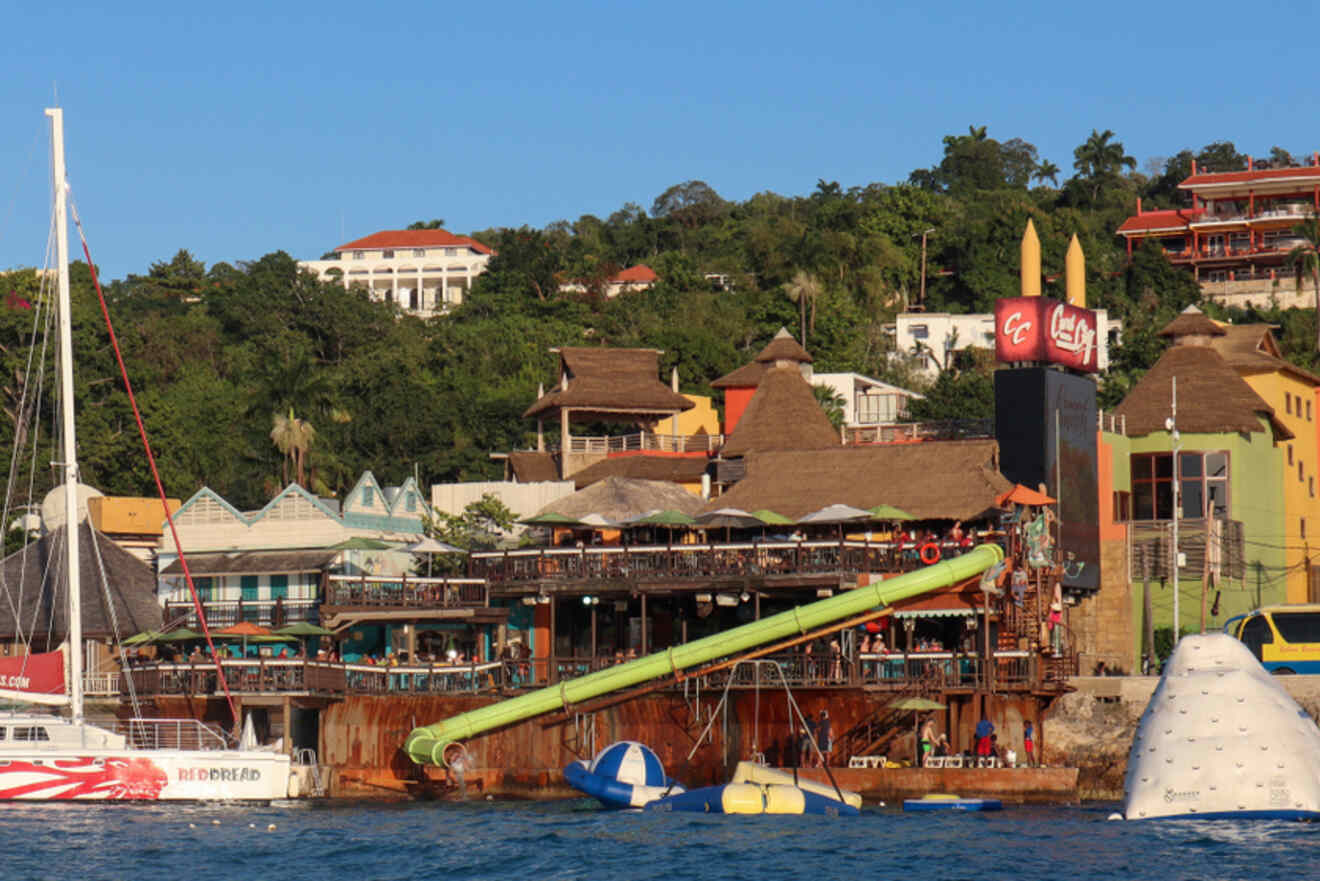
point(1221, 738)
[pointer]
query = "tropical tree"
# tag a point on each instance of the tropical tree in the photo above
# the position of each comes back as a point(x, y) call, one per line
point(1100, 160)
point(293, 438)
point(1305, 259)
point(832, 403)
point(804, 288)
point(1047, 171)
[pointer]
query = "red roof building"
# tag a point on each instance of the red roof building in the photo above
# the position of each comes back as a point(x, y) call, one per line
point(1237, 234)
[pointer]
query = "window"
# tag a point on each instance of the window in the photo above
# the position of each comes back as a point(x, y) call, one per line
point(1287, 403)
point(1310, 485)
point(249, 584)
point(1122, 506)
point(279, 587)
point(30, 734)
point(451, 252)
point(359, 255)
point(1255, 633)
point(3, 733)
point(205, 588)
point(920, 332)
point(1308, 411)
point(1299, 469)
point(1202, 485)
point(1290, 459)
point(366, 495)
point(419, 252)
point(410, 503)
point(1298, 626)
point(388, 255)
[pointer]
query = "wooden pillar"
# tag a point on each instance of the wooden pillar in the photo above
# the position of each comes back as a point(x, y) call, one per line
point(563, 441)
point(757, 601)
point(552, 675)
point(644, 646)
point(593, 631)
point(410, 640)
point(288, 725)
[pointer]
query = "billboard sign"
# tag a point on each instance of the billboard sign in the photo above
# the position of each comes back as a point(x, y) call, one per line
point(1043, 330)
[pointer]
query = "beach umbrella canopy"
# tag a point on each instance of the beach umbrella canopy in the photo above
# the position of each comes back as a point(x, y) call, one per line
point(770, 518)
point(667, 517)
point(182, 634)
point(550, 518)
point(430, 545)
point(143, 638)
point(917, 706)
point(1022, 495)
point(729, 518)
point(831, 514)
point(303, 628)
point(888, 513)
point(361, 543)
point(247, 632)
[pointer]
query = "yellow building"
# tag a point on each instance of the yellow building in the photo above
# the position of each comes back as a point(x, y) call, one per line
point(1251, 350)
point(701, 419)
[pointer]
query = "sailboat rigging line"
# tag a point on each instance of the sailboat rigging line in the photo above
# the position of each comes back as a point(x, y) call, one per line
point(114, 619)
point(29, 405)
point(151, 460)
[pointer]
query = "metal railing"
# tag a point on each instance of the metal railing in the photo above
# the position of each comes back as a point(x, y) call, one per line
point(1150, 548)
point(171, 734)
point(735, 559)
point(101, 684)
point(223, 613)
point(648, 442)
point(405, 591)
point(911, 432)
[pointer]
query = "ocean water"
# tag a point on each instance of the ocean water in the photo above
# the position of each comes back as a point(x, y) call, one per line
point(532, 841)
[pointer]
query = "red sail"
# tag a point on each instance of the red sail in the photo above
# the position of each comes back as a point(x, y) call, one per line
point(37, 678)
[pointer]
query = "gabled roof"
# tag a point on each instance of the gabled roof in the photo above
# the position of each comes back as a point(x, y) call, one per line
point(39, 570)
point(782, 415)
point(639, 274)
point(413, 238)
point(613, 380)
point(293, 499)
point(675, 469)
point(783, 347)
point(1212, 398)
point(1293, 175)
point(1174, 220)
point(1251, 348)
point(955, 480)
point(206, 506)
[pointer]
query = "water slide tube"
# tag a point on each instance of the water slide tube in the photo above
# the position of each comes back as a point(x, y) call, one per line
point(426, 745)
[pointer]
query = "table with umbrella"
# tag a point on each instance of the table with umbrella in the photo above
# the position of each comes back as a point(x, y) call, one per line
point(915, 705)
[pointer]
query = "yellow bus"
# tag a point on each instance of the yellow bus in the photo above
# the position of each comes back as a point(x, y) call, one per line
point(1284, 638)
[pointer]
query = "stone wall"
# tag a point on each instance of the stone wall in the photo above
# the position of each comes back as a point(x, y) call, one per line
point(1105, 626)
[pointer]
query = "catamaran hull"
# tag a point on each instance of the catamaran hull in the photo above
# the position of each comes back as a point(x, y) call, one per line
point(143, 775)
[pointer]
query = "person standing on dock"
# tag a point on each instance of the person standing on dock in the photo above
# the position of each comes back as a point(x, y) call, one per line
point(824, 739)
point(984, 730)
point(1029, 743)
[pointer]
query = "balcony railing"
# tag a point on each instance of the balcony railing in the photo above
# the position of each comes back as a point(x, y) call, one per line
point(405, 592)
point(1151, 550)
point(281, 676)
point(223, 613)
point(706, 561)
point(910, 432)
point(646, 441)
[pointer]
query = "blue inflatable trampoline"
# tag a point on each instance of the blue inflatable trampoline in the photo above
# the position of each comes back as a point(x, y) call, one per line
point(626, 774)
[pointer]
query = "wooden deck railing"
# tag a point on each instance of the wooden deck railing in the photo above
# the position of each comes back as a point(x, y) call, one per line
point(733, 560)
point(405, 591)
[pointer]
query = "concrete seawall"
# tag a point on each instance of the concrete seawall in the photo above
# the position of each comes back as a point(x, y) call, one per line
point(1091, 729)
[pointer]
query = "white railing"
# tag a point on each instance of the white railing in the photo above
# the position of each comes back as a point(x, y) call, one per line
point(648, 442)
point(1111, 423)
point(101, 684)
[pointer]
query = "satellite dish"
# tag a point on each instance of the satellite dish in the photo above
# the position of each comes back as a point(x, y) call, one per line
point(52, 506)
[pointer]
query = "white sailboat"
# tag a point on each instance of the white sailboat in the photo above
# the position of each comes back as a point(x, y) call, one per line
point(48, 757)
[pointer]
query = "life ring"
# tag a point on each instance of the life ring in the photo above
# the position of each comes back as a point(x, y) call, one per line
point(930, 553)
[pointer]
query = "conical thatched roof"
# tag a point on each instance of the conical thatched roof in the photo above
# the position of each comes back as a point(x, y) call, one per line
point(782, 348)
point(33, 579)
point(954, 480)
point(1212, 398)
point(1192, 322)
point(782, 415)
point(623, 498)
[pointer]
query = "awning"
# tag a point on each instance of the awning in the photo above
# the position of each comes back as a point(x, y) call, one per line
point(935, 613)
point(254, 563)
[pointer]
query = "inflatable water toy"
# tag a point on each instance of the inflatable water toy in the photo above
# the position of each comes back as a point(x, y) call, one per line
point(756, 789)
point(1221, 739)
point(948, 802)
point(626, 774)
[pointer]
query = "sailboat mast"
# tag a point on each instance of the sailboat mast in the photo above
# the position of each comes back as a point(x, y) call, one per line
point(68, 438)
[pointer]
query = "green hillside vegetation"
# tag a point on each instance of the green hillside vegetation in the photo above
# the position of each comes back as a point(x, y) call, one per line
point(255, 374)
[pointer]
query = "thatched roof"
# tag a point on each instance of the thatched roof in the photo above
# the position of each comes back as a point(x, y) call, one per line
point(674, 469)
point(613, 380)
point(1250, 348)
point(33, 579)
point(782, 348)
point(529, 467)
point(1212, 398)
point(623, 498)
point(1192, 322)
point(782, 415)
point(956, 480)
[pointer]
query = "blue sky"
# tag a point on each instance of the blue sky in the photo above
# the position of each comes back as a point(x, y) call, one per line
point(255, 127)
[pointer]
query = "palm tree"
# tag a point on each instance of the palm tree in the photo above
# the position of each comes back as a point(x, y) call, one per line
point(293, 438)
point(1047, 171)
point(1100, 160)
point(1305, 259)
point(832, 403)
point(803, 288)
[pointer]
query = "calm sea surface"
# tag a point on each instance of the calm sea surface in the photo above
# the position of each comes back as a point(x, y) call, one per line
point(572, 839)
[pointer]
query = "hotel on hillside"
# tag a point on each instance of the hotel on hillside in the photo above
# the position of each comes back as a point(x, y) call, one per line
point(1238, 231)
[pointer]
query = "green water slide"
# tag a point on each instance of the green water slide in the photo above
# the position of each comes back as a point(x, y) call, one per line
point(426, 745)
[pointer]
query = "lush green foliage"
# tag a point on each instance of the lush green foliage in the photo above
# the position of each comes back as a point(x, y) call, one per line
point(252, 374)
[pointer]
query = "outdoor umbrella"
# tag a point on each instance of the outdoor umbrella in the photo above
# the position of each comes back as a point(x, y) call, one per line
point(246, 630)
point(836, 515)
point(729, 518)
point(770, 518)
point(667, 517)
point(549, 518)
point(304, 630)
point(182, 634)
point(917, 706)
point(146, 636)
point(890, 514)
point(361, 543)
point(431, 546)
point(1022, 495)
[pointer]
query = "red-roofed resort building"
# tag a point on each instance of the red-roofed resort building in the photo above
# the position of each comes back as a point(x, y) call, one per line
point(423, 271)
point(1238, 231)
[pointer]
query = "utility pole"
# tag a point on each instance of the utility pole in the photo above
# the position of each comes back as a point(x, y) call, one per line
point(1172, 425)
point(921, 300)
